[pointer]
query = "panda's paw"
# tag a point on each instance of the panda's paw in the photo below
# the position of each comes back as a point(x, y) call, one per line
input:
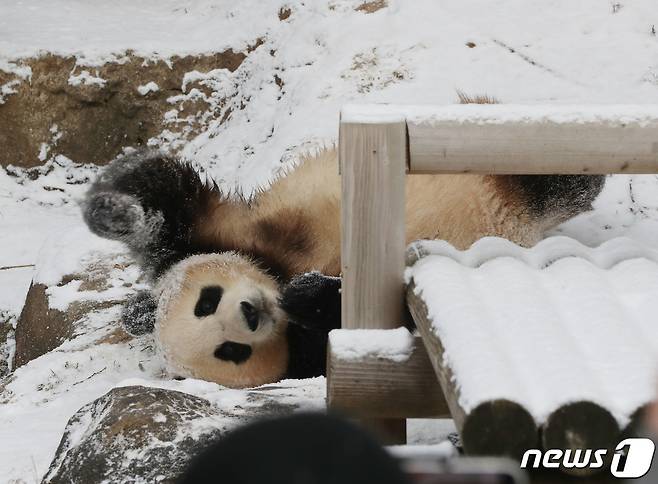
point(312, 300)
point(113, 215)
point(138, 314)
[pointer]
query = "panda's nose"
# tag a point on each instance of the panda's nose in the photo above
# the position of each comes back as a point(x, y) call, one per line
point(251, 314)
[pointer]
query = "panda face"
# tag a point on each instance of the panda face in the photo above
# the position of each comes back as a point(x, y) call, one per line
point(219, 320)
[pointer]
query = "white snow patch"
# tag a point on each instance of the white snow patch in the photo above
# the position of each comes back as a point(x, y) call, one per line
point(8, 88)
point(10, 67)
point(606, 115)
point(148, 88)
point(56, 259)
point(85, 78)
point(357, 344)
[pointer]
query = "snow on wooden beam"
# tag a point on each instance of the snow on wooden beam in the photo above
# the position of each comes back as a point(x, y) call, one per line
point(382, 374)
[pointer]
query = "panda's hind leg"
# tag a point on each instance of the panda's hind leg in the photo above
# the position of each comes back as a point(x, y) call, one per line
point(150, 202)
point(553, 198)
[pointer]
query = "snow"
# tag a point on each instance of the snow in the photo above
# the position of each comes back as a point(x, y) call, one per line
point(148, 88)
point(555, 324)
point(358, 344)
point(545, 253)
point(85, 78)
point(56, 259)
point(618, 115)
point(326, 55)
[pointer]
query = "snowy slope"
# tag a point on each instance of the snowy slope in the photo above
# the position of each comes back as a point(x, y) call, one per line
point(326, 54)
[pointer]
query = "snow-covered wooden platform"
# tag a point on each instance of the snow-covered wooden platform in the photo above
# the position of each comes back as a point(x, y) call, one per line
point(560, 337)
point(585, 348)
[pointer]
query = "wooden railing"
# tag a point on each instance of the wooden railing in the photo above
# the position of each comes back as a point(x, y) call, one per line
point(379, 145)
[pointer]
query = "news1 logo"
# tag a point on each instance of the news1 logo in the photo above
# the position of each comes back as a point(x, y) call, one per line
point(632, 458)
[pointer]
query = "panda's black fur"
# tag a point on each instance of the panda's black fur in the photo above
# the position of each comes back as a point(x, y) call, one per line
point(164, 212)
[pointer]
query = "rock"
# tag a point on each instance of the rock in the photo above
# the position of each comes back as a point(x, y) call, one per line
point(134, 434)
point(88, 114)
point(40, 328)
point(140, 434)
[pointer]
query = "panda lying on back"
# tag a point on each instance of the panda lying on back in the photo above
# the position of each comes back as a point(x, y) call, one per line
point(234, 302)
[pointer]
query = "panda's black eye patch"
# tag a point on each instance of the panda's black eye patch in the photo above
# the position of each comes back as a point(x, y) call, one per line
point(232, 351)
point(208, 301)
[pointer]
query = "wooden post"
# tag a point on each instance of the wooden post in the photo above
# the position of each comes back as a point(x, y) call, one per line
point(372, 159)
point(373, 165)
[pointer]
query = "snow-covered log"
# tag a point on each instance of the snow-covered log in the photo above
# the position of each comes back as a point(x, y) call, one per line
point(563, 330)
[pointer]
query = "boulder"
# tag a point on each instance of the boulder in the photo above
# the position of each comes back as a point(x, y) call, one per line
point(40, 328)
point(140, 434)
point(134, 434)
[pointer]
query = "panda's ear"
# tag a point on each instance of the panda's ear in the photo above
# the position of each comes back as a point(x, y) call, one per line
point(312, 300)
point(138, 315)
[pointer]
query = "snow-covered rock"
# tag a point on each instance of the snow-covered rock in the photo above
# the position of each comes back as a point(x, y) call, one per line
point(69, 290)
point(135, 434)
point(143, 435)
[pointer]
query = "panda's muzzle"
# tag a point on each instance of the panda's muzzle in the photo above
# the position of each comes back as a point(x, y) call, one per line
point(232, 351)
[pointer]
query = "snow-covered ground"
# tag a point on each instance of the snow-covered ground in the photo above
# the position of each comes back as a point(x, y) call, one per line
point(326, 54)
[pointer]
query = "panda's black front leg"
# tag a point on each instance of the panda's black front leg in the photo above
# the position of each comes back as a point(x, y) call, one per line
point(312, 300)
point(151, 203)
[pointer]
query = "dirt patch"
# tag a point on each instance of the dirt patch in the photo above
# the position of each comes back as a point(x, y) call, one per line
point(284, 13)
point(90, 114)
point(372, 7)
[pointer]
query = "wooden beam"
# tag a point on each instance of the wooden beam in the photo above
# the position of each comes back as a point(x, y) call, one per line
point(373, 162)
point(381, 388)
point(496, 427)
point(541, 147)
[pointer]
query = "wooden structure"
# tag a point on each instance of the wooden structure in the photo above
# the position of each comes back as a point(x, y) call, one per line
point(377, 146)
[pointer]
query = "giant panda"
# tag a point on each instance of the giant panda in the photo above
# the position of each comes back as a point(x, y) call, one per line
point(246, 290)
